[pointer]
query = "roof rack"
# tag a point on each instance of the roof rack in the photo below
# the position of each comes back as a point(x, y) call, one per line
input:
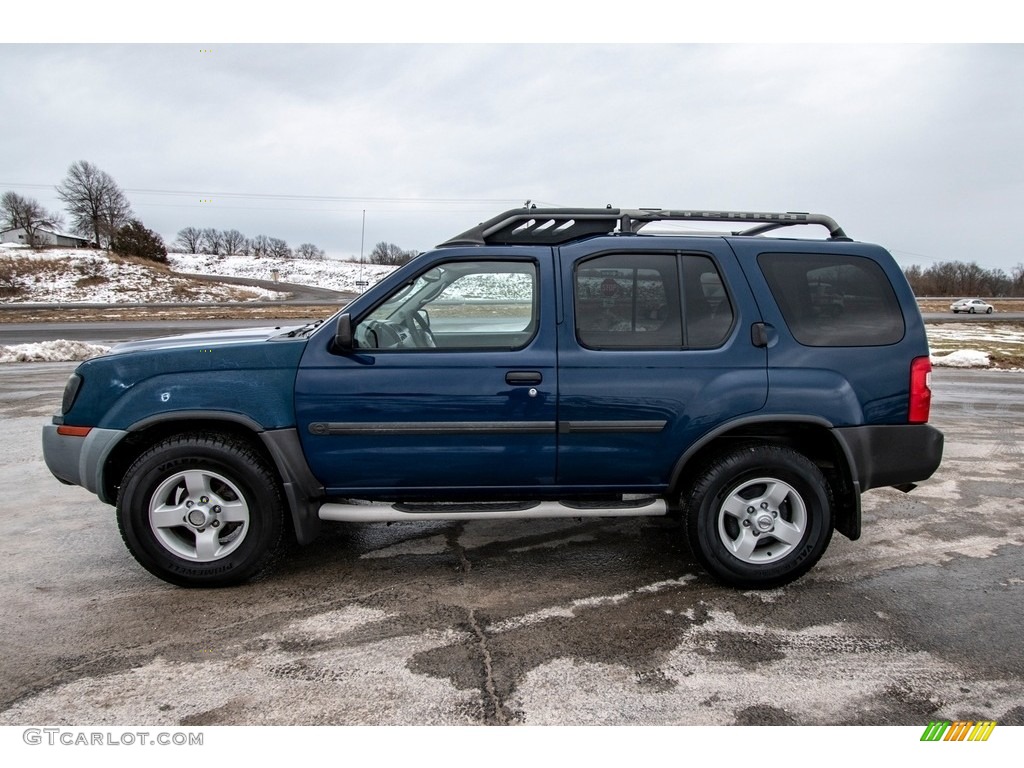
point(554, 226)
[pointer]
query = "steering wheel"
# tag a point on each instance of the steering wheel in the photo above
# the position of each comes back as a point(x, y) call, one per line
point(421, 332)
point(385, 335)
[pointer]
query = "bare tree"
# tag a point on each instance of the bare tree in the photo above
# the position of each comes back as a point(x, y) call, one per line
point(259, 246)
point(233, 242)
point(213, 241)
point(279, 249)
point(310, 251)
point(26, 213)
point(116, 210)
point(1017, 280)
point(390, 254)
point(97, 205)
point(190, 239)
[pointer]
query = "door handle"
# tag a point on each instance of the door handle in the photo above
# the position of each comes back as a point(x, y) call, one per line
point(759, 334)
point(523, 378)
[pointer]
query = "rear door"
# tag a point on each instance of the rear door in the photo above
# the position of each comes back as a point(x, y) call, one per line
point(655, 351)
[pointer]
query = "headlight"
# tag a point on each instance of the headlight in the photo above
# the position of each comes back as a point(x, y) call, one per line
point(70, 392)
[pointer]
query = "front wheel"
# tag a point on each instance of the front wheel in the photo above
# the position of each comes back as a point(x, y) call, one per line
point(758, 516)
point(201, 510)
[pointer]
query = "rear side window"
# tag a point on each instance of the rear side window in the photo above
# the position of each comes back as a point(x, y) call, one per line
point(833, 301)
point(651, 301)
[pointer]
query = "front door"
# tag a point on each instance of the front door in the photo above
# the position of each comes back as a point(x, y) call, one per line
point(450, 391)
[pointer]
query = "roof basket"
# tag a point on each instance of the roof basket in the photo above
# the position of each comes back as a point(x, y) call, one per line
point(540, 226)
point(554, 226)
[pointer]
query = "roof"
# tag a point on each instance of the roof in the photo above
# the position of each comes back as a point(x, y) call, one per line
point(48, 230)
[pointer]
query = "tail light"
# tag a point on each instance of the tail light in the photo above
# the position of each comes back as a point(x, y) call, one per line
point(920, 390)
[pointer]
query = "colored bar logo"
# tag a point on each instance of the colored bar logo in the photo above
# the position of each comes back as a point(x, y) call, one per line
point(959, 730)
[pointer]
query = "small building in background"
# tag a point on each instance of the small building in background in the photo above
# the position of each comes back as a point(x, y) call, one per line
point(44, 237)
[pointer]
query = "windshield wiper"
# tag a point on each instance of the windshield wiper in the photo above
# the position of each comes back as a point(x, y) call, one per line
point(305, 329)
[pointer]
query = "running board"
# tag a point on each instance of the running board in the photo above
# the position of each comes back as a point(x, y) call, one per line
point(389, 513)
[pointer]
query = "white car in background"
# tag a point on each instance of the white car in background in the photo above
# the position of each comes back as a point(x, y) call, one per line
point(971, 306)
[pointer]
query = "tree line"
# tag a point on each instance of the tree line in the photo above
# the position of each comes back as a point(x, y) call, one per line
point(965, 279)
point(231, 242)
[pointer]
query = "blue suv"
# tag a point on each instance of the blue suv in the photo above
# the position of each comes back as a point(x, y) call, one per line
point(546, 363)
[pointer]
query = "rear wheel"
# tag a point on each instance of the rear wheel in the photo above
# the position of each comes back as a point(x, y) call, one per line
point(201, 510)
point(758, 516)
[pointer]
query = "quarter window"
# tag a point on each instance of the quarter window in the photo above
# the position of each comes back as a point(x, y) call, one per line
point(834, 301)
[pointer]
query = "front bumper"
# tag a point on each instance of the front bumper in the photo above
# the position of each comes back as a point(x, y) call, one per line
point(80, 460)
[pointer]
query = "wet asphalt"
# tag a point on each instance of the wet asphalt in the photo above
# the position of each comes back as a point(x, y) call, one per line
point(526, 622)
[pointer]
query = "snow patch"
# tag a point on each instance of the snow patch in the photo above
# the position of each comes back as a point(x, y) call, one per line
point(962, 358)
point(58, 351)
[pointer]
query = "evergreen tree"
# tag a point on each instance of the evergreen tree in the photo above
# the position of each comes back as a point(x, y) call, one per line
point(133, 239)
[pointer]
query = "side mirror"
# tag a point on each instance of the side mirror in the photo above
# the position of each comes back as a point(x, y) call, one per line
point(343, 339)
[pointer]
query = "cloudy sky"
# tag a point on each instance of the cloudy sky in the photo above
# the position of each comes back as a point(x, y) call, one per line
point(916, 147)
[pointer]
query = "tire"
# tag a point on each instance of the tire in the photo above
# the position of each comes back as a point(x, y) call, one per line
point(770, 489)
point(227, 498)
point(970, 311)
point(988, 311)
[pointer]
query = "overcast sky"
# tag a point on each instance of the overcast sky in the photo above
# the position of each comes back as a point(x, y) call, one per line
point(916, 147)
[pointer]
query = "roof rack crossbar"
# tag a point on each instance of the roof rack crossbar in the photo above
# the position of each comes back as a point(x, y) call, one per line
point(554, 226)
point(763, 222)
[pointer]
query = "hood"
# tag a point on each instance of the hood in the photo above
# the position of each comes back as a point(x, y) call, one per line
point(210, 338)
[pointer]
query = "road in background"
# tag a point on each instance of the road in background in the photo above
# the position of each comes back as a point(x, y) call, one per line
point(996, 317)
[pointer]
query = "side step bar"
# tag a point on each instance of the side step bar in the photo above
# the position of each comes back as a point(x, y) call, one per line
point(389, 513)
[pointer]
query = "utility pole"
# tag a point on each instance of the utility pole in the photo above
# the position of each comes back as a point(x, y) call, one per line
point(361, 284)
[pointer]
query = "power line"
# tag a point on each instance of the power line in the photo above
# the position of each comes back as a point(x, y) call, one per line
point(283, 196)
point(217, 207)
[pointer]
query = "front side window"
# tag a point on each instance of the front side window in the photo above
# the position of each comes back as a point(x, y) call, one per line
point(457, 305)
point(650, 301)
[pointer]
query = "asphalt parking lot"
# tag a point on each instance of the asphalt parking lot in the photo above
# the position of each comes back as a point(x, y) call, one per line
point(598, 622)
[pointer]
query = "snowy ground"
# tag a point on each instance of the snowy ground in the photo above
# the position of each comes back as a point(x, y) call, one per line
point(69, 276)
point(326, 273)
point(977, 345)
